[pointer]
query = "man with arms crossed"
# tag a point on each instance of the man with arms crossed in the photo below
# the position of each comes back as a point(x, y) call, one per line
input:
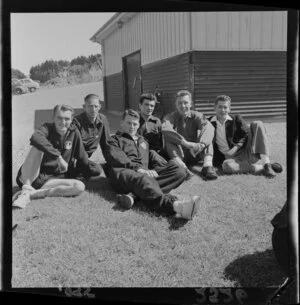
point(94, 129)
point(45, 170)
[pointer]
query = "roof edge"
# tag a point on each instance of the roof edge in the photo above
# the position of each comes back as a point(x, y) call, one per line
point(110, 26)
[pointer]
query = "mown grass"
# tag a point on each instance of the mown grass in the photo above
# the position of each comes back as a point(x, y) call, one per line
point(89, 241)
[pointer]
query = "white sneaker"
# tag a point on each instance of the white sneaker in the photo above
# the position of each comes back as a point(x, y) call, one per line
point(188, 208)
point(22, 198)
point(125, 200)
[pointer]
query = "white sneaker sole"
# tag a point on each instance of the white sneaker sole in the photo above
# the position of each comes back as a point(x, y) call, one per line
point(21, 205)
point(196, 206)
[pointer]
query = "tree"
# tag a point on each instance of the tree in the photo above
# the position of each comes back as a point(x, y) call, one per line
point(80, 61)
point(48, 70)
point(15, 73)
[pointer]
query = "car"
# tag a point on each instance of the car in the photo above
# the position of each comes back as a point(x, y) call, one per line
point(24, 85)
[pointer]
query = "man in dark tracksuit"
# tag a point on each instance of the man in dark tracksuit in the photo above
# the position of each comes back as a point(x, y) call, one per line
point(54, 147)
point(94, 129)
point(135, 169)
point(150, 125)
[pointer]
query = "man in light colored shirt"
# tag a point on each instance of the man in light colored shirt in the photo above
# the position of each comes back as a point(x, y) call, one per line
point(188, 136)
point(238, 147)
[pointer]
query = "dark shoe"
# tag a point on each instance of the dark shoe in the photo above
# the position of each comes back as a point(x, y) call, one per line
point(268, 171)
point(126, 201)
point(189, 174)
point(277, 168)
point(209, 173)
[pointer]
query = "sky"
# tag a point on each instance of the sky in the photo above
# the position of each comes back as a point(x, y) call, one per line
point(37, 37)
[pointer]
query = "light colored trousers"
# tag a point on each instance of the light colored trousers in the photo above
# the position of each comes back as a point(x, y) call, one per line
point(172, 145)
point(244, 159)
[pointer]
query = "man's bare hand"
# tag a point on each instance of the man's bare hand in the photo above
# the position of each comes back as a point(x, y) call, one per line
point(232, 151)
point(150, 173)
point(63, 165)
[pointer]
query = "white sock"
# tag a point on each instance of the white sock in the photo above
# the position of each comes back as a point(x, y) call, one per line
point(264, 158)
point(207, 161)
point(41, 193)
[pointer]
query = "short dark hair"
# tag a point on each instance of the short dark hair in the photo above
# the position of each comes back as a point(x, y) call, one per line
point(62, 107)
point(222, 98)
point(147, 96)
point(89, 96)
point(132, 113)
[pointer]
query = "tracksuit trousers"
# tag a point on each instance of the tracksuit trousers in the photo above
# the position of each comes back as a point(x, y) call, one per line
point(153, 191)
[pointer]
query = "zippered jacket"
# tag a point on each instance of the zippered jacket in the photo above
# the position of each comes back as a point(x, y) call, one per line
point(53, 145)
point(123, 152)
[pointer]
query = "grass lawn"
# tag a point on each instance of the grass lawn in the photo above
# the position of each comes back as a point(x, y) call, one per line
point(89, 241)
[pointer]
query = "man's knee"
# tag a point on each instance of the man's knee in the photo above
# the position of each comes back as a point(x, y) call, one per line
point(257, 125)
point(179, 171)
point(35, 153)
point(230, 166)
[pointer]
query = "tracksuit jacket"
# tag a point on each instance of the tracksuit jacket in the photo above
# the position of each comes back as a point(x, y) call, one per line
point(52, 144)
point(123, 152)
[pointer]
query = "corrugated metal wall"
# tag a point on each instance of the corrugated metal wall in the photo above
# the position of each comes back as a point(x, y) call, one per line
point(114, 93)
point(239, 31)
point(244, 75)
point(161, 35)
point(158, 35)
point(168, 76)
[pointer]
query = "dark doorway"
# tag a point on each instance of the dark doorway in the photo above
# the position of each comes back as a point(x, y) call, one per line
point(132, 79)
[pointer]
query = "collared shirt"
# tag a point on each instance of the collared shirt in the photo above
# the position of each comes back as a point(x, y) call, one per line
point(190, 126)
point(151, 131)
point(92, 133)
point(221, 139)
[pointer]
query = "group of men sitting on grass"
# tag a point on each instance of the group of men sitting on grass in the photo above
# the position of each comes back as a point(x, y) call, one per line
point(147, 158)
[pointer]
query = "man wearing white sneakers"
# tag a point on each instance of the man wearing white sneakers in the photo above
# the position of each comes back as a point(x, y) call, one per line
point(45, 170)
point(136, 171)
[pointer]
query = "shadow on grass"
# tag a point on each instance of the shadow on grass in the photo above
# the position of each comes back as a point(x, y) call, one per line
point(101, 186)
point(260, 269)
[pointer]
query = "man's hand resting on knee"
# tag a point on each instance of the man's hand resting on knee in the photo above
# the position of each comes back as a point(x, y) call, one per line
point(150, 173)
point(63, 165)
point(231, 152)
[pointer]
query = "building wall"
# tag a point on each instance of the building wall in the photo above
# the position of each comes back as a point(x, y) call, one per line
point(167, 76)
point(246, 76)
point(239, 31)
point(243, 75)
point(114, 92)
point(160, 35)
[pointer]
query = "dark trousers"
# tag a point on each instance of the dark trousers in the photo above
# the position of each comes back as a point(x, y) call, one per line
point(94, 170)
point(151, 190)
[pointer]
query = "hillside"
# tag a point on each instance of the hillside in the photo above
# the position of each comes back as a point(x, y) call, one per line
point(61, 73)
